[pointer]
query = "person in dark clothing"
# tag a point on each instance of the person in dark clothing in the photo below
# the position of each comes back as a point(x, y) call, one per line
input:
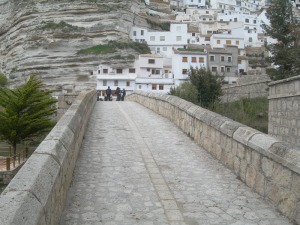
point(123, 93)
point(108, 94)
point(118, 93)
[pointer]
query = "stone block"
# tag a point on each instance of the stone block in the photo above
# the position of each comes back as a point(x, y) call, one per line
point(241, 152)
point(287, 155)
point(250, 176)
point(37, 176)
point(267, 167)
point(20, 207)
point(256, 160)
point(229, 127)
point(236, 165)
point(281, 176)
point(244, 134)
point(261, 143)
point(287, 203)
point(271, 192)
point(259, 185)
point(54, 148)
point(296, 185)
point(63, 134)
point(243, 170)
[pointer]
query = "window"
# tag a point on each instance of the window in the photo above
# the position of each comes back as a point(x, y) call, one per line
point(212, 58)
point(99, 71)
point(222, 69)
point(164, 49)
point(250, 39)
point(161, 87)
point(105, 70)
point(142, 32)
point(235, 19)
point(131, 70)
point(222, 58)
point(151, 61)
point(140, 86)
point(134, 33)
point(254, 21)
point(92, 73)
point(237, 42)
point(119, 71)
point(184, 71)
point(201, 59)
point(247, 20)
point(154, 86)
point(127, 83)
point(148, 69)
point(228, 69)
point(228, 42)
point(152, 38)
point(207, 12)
point(218, 41)
point(207, 38)
point(184, 59)
point(193, 34)
point(214, 69)
point(158, 50)
point(194, 59)
point(104, 82)
point(178, 38)
point(239, 61)
point(116, 83)
point(155, 71)
point(229, 59)
point(162, 38)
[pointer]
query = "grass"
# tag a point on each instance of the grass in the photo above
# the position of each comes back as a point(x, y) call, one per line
point(251, 112)
point(114, 46)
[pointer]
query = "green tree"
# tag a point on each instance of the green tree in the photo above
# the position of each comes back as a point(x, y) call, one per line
point(186, 91)
point(208, 86)
point(285, 28)
point(25, 112)
point(3, 80)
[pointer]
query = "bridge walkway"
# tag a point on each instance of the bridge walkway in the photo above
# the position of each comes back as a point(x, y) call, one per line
point(136, 167)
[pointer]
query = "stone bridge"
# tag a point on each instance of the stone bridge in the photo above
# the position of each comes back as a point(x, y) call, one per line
point(154, 160)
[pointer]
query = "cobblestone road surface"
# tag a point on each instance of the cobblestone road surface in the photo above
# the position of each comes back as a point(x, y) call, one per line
point(135, 167)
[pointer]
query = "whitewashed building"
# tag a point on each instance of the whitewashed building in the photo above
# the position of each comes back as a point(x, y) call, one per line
point(162, 42)
point(150, 72)
point(183, 60)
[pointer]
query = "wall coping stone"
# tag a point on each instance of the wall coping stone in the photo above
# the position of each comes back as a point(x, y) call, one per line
point(284, 80)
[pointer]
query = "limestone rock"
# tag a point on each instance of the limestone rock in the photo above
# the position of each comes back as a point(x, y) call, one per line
point(44, 37)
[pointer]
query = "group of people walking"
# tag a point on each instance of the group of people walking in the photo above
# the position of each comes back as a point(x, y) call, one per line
point(119, 93)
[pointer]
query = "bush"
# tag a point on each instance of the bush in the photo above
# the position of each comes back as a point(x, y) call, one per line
point(186, 91)
point(114, 46)
point(3, 80)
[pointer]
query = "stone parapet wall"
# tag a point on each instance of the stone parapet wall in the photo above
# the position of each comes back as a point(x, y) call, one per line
point(268, 166)
point(37, 194)
point(284, 110)
point(247, 87)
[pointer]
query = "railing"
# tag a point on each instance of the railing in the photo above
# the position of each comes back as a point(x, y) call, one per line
point(6, 163)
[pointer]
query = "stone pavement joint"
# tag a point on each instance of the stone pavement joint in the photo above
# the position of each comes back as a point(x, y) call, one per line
point(136, 167)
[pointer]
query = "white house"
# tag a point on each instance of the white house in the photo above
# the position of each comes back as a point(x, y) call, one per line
point(183, 60)
point(162, 42)
point(150, 72)
point(223, 4)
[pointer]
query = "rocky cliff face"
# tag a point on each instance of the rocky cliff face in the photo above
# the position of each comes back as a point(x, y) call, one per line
point(44, 37)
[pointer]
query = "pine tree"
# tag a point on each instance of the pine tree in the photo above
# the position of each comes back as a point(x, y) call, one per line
point(25, 112)
point(286, 29)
